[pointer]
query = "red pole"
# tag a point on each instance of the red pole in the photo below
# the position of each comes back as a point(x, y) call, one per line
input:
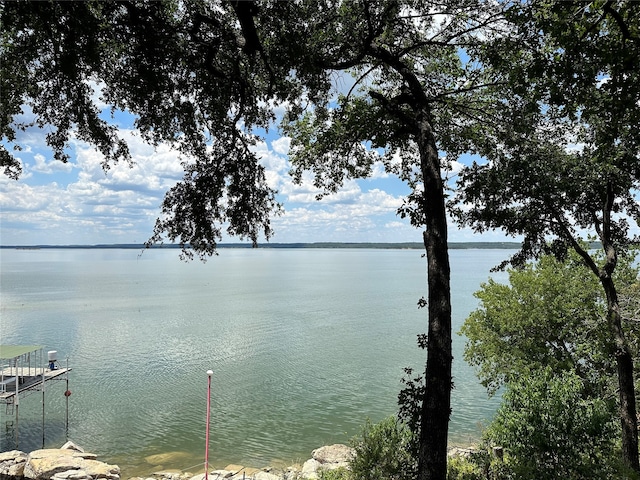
point(206, 452)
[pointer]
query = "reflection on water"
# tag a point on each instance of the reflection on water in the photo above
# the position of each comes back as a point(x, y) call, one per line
point(304, 345)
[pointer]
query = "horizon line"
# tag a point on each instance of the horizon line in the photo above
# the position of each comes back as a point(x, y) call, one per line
point(407, 245)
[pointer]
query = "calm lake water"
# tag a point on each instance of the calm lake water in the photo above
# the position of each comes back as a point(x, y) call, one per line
point(305, 345)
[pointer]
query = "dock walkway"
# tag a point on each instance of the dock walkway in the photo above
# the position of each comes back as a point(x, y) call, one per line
point(29, 379)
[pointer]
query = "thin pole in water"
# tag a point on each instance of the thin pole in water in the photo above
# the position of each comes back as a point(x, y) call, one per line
point(43, 407)
point(67, 393)
point(206, 451)
point(17, 402)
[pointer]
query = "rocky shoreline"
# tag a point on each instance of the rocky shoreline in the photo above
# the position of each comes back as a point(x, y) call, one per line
point(71, 462)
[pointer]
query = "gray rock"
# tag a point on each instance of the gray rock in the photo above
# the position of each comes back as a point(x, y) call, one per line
point(460, 452)
point(171, 475)
point(215, 475)
point(329, 457)
point(13, 455)
point(333, 454)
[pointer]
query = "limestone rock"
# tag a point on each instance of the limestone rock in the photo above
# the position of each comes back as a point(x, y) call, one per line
point(72, 446)
point(337, 453)
point(71, 475)
point(328, 457)
point(234, 468)
point(292, 473)
point(13, 455)
point(310, 469)
point(220, 474)
point(214, 475)
point(12, 463)
point(247, 473)
point(167, 475)
point(460, 452)
point(97, 469)
point(171, 475)
point(168, 458)
point(46, 464)
point(262, 475)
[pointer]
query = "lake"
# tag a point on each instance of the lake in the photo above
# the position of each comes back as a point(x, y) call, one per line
point(305, 345)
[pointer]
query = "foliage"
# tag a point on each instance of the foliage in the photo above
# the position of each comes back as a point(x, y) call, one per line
point(382, 452)
point(552, 428)
point(410, 405)
point(340, 473)
point(479, 465)
point(404, 57)
point(630, 304)
point(544, 335)
point(204, 76)
point(550, 314)
point(186, 71)
point(459, 468)
point(564, 159)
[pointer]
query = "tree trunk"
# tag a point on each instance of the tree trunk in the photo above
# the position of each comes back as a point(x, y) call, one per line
point(436, 404)
point(626, 387)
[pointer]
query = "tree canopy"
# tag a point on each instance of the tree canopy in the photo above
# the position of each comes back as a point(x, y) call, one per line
point(551, 314)
point(553, 428)
point(565, 162)
point(543, 338)
point(192, 75)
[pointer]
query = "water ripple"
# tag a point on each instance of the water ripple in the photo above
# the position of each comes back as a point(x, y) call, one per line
point(304, 346)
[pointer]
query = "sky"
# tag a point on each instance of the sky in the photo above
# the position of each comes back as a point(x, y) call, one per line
point(78, 203)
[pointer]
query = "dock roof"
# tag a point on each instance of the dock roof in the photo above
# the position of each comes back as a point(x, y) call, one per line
point(14, 351)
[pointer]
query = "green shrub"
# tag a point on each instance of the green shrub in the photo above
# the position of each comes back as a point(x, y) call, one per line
point(340, 473)
point(459, 468)
point(382, 452)
point(481, 465)
point(551, 429)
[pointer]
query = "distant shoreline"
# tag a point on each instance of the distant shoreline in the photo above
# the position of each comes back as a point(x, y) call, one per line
point(326, 245)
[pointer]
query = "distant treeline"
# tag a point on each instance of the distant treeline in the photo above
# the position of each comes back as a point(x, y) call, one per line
point(371, 245)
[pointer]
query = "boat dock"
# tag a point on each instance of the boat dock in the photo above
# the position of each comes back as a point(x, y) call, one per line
point(28, 379)
point(23, 371)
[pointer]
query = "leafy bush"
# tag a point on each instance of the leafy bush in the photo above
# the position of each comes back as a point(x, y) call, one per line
point(552, 430)
point(334, 474)
point(382, 452)
point(459, 468)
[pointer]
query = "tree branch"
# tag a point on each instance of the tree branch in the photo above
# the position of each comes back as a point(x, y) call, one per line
point(405, 72)
point(568, 235)
point(360, 78)
point(393, 105)
point(607, 8)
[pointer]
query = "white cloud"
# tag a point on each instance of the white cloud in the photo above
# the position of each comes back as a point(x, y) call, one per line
point(47, 167)
point(281, 145)
point(90, 205)
point(378, 171)
point(454, 168)
point(80, 203)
